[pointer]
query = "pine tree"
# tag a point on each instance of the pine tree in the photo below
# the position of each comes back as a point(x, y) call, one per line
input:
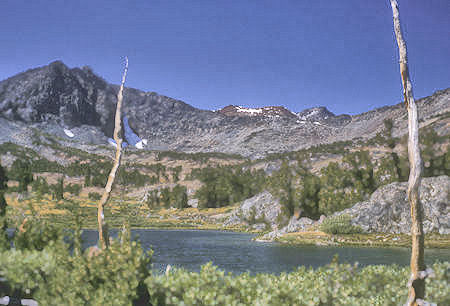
point(87, 178)
point(21, 171)
point(3, 225)
point(59, 189)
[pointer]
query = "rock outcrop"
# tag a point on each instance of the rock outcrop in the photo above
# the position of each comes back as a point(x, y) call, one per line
point(387, 210)
point(294, 225)
point(263, 211)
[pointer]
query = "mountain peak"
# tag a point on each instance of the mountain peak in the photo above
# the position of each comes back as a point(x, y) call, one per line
point(56, 97)
point(265, 112)
point(54, 90)
point(320, 113)
point(57, 63)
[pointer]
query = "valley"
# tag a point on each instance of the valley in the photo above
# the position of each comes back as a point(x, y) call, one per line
point(265, 170)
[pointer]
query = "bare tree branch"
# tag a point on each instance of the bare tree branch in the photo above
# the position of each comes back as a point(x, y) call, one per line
point(417, 283)
point(102, 225)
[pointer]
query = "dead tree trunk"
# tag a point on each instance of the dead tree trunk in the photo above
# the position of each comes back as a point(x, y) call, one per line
point(417, 281)
point(102, 225)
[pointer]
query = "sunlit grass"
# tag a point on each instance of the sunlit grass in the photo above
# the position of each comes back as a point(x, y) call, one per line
point(371, 239)
point(138, 215)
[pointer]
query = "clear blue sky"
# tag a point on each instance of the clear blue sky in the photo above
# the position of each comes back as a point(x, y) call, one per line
point(211, 53)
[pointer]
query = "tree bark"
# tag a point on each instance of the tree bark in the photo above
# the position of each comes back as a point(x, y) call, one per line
point(102, 225)
point(417, 281)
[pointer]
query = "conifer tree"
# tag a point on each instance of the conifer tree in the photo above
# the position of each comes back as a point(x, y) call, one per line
point(21, 171)
point(3, 225)
point(59, 189)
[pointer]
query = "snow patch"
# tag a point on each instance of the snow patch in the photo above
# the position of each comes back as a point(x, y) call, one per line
point(248, 110)
point(139, 145)
point(113, 143)
point(313, 112)
point(69, 133)
point(130, 135)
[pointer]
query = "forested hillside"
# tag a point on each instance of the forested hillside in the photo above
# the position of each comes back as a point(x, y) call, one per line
point(311, 182)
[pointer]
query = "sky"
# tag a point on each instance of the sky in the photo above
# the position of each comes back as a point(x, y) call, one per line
point(254, 53)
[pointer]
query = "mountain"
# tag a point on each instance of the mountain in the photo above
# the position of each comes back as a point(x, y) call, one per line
point(262, 112)
point(315, 114)
point(56, 97)
point(323, 115)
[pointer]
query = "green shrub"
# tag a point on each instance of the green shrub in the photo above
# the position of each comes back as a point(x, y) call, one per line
point(132, 178)
point(179, 198)
point(40, 186)
point(226, 185)
point(55, 277)
point(175, 197)
point(58, 189)
point(176, 173)
point(335, 284)
point(281, 184)
point(34, 234)
point(339, 225)
point(73, 189)
point(120, 275)
point(21, 172)
point(4, 244)
point(95, 196)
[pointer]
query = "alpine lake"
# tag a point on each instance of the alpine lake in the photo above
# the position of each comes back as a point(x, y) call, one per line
point(239, 253)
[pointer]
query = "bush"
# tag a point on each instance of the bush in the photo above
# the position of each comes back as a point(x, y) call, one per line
point(95, 196)
point(3, 224)
point(132, 177)
point(175, 197)
point(226, 185)
point(120, 275)
point(335, 284)
point(73, 189)
point(339, 225)
point(55, 277)
point(58, 189)
point(21, 172)
point(179, 198)
point(40, 186)
point(34, 234)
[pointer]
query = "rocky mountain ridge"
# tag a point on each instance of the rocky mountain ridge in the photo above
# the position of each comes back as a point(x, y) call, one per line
point(55, 97)
point(264, 112)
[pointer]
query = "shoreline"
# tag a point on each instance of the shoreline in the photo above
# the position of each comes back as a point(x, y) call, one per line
point(317, 238)
point(373, 240)
point(213, 219)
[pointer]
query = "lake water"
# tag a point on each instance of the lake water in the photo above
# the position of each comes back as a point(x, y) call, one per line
point(237, 252)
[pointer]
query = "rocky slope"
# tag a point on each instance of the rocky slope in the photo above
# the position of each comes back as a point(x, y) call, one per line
point(387, 210)
point(261, 212)
point(54, 97)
